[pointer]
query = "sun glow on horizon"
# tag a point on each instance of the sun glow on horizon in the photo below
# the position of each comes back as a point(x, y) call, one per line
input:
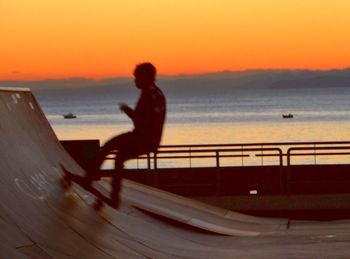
point(98, 39)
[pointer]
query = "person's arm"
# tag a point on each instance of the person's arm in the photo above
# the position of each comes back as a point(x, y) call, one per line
point(127, 110)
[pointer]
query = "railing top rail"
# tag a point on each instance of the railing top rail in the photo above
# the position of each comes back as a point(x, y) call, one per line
point(317, 148)
point(218, 150)
point(257, 144)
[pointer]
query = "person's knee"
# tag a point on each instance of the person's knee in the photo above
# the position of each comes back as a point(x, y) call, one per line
point(109, 146)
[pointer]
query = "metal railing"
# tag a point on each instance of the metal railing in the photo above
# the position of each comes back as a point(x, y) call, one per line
point(282, 151)
point(316, 152)
point(215, 152)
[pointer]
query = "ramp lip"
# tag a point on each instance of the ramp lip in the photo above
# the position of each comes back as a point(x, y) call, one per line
point(13, 89)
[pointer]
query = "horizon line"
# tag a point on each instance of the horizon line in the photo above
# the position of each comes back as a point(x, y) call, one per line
point(178, 75)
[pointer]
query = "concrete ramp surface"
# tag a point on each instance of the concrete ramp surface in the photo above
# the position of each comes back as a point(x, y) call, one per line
point(38, 219)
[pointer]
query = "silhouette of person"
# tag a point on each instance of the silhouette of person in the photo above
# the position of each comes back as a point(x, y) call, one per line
point(148, 118)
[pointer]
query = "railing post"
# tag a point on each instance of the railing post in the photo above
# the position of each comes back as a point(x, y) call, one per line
point(155, 160)
point(287, 188)
point(314, 154)
point(282, 173)
point(217, 159)
point(288, 156)
point(148, 161)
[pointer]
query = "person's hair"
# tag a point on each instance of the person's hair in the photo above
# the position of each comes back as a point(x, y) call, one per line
point(145, 70)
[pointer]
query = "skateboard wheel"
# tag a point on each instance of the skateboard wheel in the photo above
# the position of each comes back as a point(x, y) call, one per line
point(66, 183)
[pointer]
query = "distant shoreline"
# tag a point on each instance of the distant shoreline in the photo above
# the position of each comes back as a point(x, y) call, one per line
point(248, 79)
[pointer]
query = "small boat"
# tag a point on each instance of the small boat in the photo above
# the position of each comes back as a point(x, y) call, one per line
point(69, 116)
point(287, 116)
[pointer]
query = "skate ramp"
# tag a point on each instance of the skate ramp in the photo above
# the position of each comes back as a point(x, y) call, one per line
point(39, 219)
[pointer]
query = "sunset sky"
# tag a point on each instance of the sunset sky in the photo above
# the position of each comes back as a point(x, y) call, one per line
point(105, 38)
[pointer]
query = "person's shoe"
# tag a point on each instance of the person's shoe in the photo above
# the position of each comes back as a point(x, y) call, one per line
point(88, 181)
point(115, 200)
point(94, 175)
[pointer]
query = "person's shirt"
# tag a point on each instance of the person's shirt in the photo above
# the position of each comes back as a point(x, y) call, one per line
point(149, 116)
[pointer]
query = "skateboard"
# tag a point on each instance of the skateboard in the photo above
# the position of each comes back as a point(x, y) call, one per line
point(101, 197)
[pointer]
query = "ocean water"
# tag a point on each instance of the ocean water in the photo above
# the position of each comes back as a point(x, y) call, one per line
point(215, 117)
point(242, 116)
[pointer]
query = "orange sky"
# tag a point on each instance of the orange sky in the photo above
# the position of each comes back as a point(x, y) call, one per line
point(105, 38)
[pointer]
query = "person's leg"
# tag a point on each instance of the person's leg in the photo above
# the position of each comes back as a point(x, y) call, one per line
point(116, 181)
point(130, 148)
point(113, 144)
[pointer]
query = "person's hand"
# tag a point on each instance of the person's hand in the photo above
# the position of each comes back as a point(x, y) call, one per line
point(127, 110)
point(123, 107)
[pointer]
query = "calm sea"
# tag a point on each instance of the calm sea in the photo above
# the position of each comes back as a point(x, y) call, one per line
point(242, 116)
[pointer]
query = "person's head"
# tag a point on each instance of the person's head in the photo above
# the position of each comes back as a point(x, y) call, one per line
point(145, 75)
